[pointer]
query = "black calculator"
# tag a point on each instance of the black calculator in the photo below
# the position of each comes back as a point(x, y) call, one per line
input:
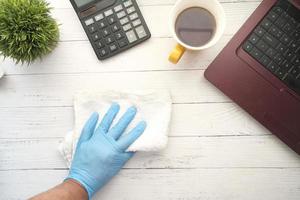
point(112, 26)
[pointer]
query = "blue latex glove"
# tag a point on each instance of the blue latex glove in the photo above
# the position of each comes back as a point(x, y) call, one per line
point(100, 152)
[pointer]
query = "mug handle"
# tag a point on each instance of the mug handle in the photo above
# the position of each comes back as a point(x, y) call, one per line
point(176, 54)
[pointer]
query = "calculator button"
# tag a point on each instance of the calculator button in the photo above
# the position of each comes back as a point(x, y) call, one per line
point(103, 23)
point(103, 52)
point(131, 36)
point(96, 36)
point(118, 8)
point(108, 12)
point(89, 22)
point(115, 27)
point(99, 44)
point(92, 28)
point(121, 14)
point(105, 32)
point(109, 40)
point(127, 3)
point(112, 19)
point(133, 16)
point(113, 47)
point(127, 27)
point(124, 21)
point(122, 43)
point(119, 35)
point(136, 22)
point(141, 32)
point(130, 10)
point(99, 17)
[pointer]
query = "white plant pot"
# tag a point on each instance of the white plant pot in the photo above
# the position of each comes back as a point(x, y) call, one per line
point(1, 72)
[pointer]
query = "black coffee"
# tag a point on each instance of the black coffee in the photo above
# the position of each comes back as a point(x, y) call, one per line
point(195, 26)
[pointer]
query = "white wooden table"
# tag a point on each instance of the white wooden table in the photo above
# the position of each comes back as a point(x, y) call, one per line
point(216, 150)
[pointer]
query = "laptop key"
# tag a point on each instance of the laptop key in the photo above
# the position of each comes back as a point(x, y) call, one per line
point(273, 67)
point(254, 38)
point(277, 10)
point(248, 47)
point(286, 66)
point(270, 40)
point(275, 32)
point(271, 52)
point(256, 53)
point(265, 61)
point(278, 58)
point(289, 55)
point(295, 72)
point(285, 39)
point(280, 73)
point(280, 22)
point(266, 24)
point(260, 31)
point(281, 48)
point(294, 46)
point(296, 35)
point(296, 61)
point(272, 16)
point(262, 46)
point(287, 28)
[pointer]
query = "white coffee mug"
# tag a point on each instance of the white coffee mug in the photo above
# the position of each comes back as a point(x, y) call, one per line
point(214, 7)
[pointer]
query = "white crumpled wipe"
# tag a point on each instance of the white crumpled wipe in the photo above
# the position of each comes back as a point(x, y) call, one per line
point(153, 107)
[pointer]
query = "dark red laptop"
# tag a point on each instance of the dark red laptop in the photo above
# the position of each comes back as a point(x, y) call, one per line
point(259, 69)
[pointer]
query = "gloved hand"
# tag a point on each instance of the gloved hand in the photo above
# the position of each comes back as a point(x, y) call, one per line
point(100, 152)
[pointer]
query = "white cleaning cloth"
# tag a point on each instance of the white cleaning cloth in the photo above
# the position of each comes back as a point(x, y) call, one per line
point(153, 107)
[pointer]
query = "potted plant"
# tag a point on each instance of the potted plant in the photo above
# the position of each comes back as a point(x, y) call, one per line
point(27, 30)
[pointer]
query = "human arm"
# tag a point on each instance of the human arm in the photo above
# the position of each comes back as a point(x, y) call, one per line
point(68, 190)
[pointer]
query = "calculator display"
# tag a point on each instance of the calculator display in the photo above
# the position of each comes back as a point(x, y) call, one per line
point(80, 3)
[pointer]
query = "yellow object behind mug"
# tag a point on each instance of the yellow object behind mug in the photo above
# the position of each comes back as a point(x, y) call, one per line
point(176, 54)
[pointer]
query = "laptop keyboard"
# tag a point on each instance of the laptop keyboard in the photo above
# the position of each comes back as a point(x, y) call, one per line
point(275, 43)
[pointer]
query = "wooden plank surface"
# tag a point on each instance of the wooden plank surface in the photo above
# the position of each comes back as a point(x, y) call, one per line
point(168, 184)
point(182, 152)
point(188, 86)
point(216, 150)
